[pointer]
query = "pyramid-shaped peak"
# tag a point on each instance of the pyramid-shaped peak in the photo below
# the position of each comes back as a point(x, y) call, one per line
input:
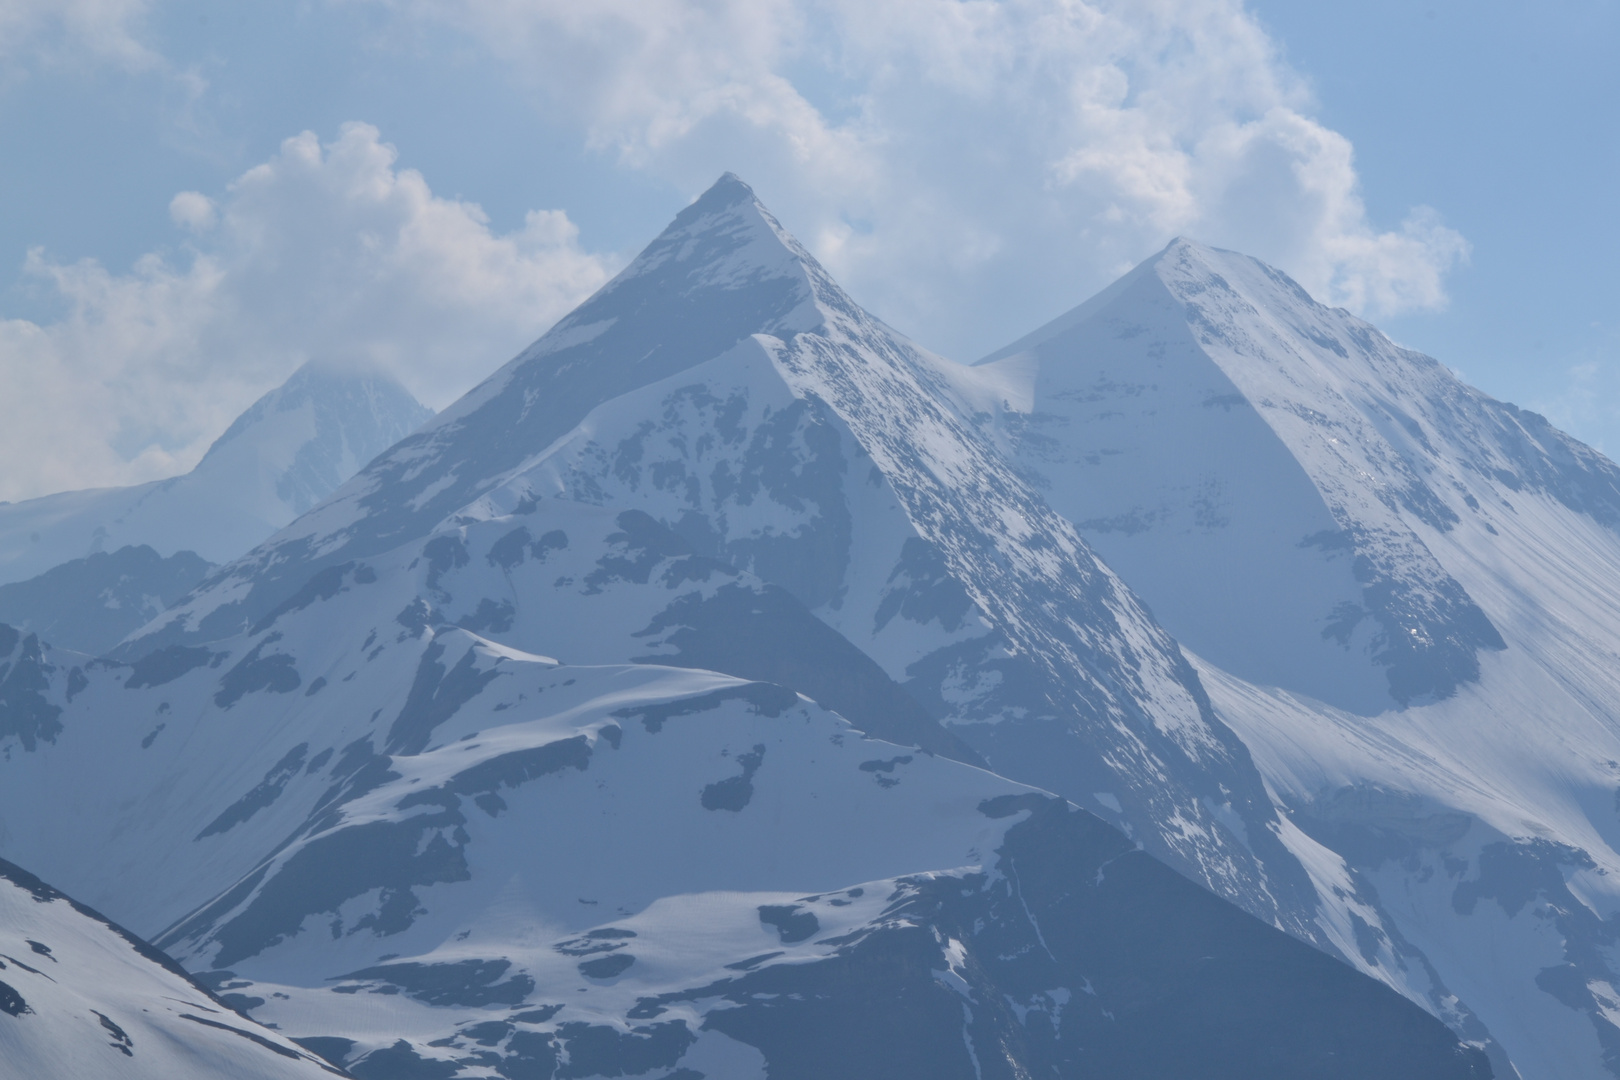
point(1185, 259)
point(724, 268)
point(1187, 245)
point(729, 190)
point(1187, 250)
point(325, 370)
point(725, 238)
point(350, 399)
point(1188, 267)
point(723, 271)
point(727, 198)
point(1191, 272)
point(1184, 254)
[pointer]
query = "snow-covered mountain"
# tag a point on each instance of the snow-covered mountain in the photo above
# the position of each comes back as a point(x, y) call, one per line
point(286, 453)
point(81, 997)
point(628, 719)
point(1403, 595)
point(724, 385)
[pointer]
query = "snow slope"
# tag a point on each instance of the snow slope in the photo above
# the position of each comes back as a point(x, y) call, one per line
point(1404, 597)
point(279, 458)
point(80, 997)
point(556, 870)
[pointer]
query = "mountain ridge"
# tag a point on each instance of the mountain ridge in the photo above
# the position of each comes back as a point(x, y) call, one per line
point(98, 1000)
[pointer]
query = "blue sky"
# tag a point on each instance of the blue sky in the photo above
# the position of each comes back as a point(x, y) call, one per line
point(174, 243)
point(1504, 115)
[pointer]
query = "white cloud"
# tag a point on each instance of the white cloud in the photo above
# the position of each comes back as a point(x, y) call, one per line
point(322, 251)
point(85, 37)
point(53, 30)
point(967, 166)
point(194, 211)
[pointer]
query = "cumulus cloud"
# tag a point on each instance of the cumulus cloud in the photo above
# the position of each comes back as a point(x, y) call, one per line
point(324, 251)
point(967, 166)
point(193, 210)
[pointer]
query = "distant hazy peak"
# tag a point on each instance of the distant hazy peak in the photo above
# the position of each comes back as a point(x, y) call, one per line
point(304, 438)
point(319, 379)
point(287, 452)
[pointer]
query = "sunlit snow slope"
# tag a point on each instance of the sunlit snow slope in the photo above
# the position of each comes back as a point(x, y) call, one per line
point(1405, 597)
point(80, 997)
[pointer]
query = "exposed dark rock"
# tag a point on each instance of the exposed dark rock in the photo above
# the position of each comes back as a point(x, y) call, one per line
point(734, 792)
point(323, 585)
point(767, 635)
point(597, 1050)
point(251, 1036)
point(793, 924)
point(391, 856)
point(121, 1040)
point(443, 553)
point(91, 604)
point(254, 672)
point(1159, 979)
point(400, 1062)
point(490, 618)
point(26, 711)
point(607, 967)
point(167, 664)
point(472, 983)
point(922, 590)
point(329, 1048)
point(263, 794)
point(11, 1002)
point(434, 697)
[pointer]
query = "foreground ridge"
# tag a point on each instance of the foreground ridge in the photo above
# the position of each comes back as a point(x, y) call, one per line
point(91, 999)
